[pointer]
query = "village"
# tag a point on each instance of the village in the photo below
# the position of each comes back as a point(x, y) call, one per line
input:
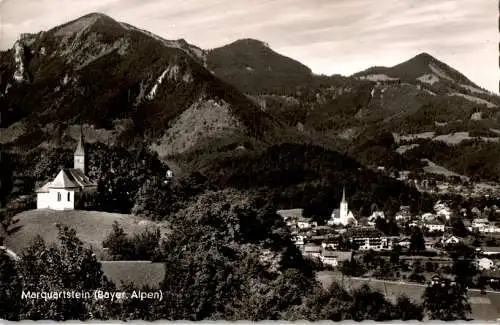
point(343, 237)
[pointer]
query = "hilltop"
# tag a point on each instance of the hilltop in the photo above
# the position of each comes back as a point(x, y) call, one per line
point(92, 227)
point(252, 66)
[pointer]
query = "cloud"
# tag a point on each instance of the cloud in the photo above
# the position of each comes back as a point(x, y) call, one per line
point(330, 36)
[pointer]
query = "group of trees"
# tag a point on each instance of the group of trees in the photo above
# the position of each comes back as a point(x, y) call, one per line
point(475, 158)
point(142, 246)
point(229, 256)
point(311, 177)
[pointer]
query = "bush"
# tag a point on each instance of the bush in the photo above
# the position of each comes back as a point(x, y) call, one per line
point(140, 247)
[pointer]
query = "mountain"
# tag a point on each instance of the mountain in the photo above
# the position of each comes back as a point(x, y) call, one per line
point(381, 115)
point(215, 111)
point(128, 84)
point(424, 69)
point(253, 67)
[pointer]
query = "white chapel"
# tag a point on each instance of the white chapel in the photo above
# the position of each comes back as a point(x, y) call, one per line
point(342, 216)
point(64, 192)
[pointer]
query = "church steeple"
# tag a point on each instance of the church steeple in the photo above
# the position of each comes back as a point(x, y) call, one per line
point(343, 195)
point(79, 156)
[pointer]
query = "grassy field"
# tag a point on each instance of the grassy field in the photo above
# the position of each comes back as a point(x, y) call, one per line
point(91, 227)
point(484, 307)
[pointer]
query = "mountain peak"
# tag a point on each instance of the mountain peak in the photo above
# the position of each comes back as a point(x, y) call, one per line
point(422, 67)
point(251, 42)
point(424, 55)
point(424, 58)
point(96, 15)
point(252, 66)
point(85, 22)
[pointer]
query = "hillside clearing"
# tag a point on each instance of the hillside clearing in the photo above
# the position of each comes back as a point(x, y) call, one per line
point(402, 149)
point(91, 227)
point(377, 77)
point(450, 138)
point(203, 119)
point(433, 168)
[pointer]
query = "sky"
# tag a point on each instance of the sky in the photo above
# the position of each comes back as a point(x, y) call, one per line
point(329, 36)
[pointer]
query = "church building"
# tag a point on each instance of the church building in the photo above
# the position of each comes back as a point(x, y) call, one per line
point(342, 216)
point(65, 191)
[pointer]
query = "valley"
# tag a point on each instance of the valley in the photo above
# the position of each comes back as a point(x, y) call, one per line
point(192, 153)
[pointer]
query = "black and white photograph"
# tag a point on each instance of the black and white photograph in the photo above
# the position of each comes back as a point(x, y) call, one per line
point(237, 160)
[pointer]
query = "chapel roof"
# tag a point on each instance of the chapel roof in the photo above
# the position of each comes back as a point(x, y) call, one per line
point(66, 179)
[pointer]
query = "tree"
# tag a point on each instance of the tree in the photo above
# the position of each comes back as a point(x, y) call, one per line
point(371, 305)
point(408, 310)
point(142, 246)
point(231, 257)
point(118, 243)
point(389, 228)
point(394, 255)
point(417, 240)
point(10, 288)
point(458, 228)
point(66, 267)
point(334, 304)
point(352, 268)
point(446, 301)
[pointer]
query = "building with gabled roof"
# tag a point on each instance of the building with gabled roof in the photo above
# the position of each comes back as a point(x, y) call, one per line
point(342, 216)
point(65, 191)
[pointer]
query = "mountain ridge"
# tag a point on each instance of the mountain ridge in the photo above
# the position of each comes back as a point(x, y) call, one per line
point(110, 71)
point(175, 95)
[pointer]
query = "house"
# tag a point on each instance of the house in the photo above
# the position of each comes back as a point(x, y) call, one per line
point(490, 251)
point(369, 238)
point(331, 242)
point(415, 223)
point(329, 245)
point(66, 191)
point(436, 278)
point(484, 264)
point(342, 216)
point(323, 230)
point(428, 217)
point(298, 240)
point(490, 228)
point(402, 217)
point(375, 215)
point(450, 240)
point(405, 242)
point(404, 214)
point(434, 226)
point(311, 250)
point(334, 258)
point(431, 243)
point(306, 224)
point(403, 175)
point(480, 222)
point(475, 211)
point(442, 210)
point(303, 224)
point(168, 177)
